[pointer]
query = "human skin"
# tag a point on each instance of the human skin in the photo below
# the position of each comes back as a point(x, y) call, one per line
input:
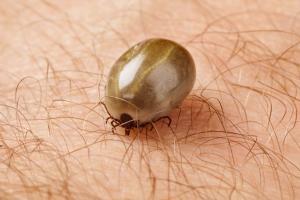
point(236, 136)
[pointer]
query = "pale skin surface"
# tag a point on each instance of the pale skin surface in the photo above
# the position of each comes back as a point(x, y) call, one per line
point(236, 136)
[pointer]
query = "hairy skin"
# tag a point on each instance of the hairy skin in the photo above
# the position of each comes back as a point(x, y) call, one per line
point(235, 137)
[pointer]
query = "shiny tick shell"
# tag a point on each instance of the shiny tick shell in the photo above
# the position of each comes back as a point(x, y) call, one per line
point(148, 81)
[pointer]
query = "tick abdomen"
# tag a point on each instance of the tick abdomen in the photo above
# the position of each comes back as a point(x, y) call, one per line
point(149, 80)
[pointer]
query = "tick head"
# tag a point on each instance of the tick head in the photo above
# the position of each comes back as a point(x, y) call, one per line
point(127, 121)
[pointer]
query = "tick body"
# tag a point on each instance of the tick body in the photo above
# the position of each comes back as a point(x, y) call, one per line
point(147, 82)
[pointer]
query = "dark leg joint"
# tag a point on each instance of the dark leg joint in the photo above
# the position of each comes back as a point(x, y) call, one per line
point(109, 118)
point(127, 131)
point(165, 117)
point(114, 123)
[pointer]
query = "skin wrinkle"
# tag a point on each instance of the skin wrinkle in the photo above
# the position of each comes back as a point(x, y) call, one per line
point(235, 137)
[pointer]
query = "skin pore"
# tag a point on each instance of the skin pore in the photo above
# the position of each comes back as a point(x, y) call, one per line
point(235, 137)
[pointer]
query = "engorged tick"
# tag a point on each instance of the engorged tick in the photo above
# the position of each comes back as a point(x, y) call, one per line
point(147, 82)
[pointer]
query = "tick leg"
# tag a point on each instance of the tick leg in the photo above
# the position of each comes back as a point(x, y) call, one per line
point(127, 131)
point(109, 118)
point(104, 106)
point(113, 130)
point(150, 125)
point(114, 123)
point(165, 117)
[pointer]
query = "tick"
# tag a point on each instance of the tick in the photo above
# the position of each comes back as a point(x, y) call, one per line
point(147, 82)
